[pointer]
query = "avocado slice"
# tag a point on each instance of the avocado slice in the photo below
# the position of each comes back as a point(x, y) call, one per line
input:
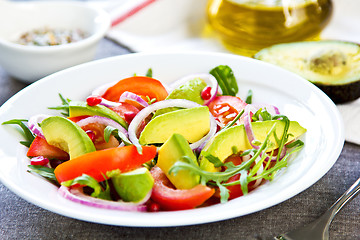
point(333, 66)
point(132, 186)
point(223, 143)
point(173, 150)
point(191, 90)
point(192, 123)
point(66, 135)
point(78, 108)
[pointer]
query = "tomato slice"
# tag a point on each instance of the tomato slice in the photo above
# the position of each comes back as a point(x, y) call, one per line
point(226, 108)
point(96, 164)
point(96, 133)
point(40, 147)
point(170, 198)
point(124, 110)
point(143, 86)
point(235, 190)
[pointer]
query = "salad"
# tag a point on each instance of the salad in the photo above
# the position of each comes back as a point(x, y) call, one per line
point(140, 145)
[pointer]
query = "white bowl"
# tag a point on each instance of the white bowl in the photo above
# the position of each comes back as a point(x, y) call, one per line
point(30, 63)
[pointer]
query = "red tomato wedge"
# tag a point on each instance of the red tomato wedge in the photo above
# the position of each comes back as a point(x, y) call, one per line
point(226, 108)
point(235, 191)
point(40, 147)
point(95, 164)
point(97, 131)
point(124, 110)
point(143, 86)
point(170, 198)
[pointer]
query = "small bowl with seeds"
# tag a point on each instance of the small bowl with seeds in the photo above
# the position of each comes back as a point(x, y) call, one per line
point(40, 38)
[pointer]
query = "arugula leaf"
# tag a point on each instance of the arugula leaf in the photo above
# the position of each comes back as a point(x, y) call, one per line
point(64, 106)
point(249, 96)
point(247, 169)
point(109, 130)
point(262, 115)
point(89, 181)
point(226, 79)
point(244, 181)
point(150, 100)
point(214, 160)
point(29, 136)
point(45, 172)
point(230, 124)
point(149, 73)
point(224, 192)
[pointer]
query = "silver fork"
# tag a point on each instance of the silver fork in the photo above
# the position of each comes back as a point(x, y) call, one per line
point(319, 229)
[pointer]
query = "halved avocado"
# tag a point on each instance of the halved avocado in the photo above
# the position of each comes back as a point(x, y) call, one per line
point(333, 66)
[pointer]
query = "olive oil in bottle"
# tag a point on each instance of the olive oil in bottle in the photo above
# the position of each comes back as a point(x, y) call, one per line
point(246, 26)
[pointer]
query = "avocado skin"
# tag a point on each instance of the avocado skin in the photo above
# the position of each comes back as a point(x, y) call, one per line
point(344, 89)
point(341, 93)
point(78, 108)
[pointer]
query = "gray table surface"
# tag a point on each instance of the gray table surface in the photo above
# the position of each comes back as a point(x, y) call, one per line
point(22, 220)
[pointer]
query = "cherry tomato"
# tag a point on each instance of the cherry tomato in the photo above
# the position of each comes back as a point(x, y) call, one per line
point(125, 110)
point(226, 108)
point(142, 86)
point(96, 164)
point(170, 198)
point(40, 147)
point(235, 190)
point(96, 133)
point(93, 100)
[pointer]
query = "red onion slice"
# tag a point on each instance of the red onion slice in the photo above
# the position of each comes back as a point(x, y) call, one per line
point(182, 103)
point(248, 128)
point(108, 103)
point(33, 124)
point(76, 195)
point(103, 121)
point(199, 145)
point(206, 77)
point(274, 158)
point(99, 91)
point(133, 97)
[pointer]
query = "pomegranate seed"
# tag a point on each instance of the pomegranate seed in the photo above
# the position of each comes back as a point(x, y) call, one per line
point(93, 100)
point(206, 93)
point(154, 207)
point(91, 134)
point(129, 116)
point(39, 161)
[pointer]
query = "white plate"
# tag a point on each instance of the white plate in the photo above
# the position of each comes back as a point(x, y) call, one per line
point(295, 97)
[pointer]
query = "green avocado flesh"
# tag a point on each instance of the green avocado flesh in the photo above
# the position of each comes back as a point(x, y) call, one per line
point(66, 135)
point(222, 145)
point(78, 108)
point(133, 186)
point(192, 123)
point(191, 90)
point(334, 66)
point(173, 150)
